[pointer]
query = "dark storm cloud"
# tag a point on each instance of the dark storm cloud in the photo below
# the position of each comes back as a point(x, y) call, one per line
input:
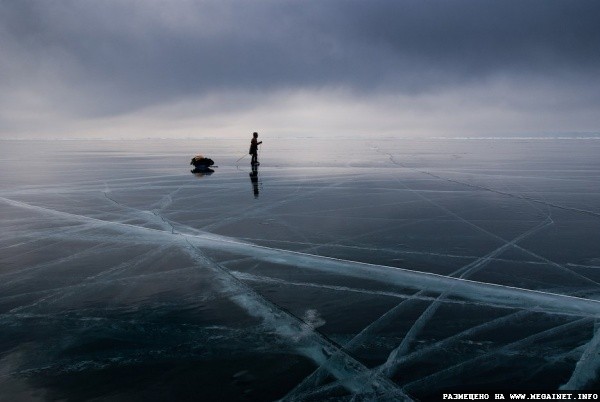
point(111, 57)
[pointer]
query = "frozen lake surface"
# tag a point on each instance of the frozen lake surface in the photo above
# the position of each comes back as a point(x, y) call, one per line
point(383, 269)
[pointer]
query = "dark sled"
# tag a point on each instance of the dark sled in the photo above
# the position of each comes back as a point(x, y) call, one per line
point(200, 162)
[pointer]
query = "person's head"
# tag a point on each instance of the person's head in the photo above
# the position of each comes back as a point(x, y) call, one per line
point(255, 134)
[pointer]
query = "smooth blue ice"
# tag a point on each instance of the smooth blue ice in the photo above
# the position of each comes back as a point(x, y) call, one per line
point(382, 269)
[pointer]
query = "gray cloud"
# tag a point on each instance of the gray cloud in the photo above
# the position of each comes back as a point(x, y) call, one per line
point(93, 59)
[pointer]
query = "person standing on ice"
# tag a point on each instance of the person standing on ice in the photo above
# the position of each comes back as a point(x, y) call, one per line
point(254, 143)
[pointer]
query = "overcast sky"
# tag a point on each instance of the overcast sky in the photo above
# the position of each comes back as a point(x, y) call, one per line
point(85, 68)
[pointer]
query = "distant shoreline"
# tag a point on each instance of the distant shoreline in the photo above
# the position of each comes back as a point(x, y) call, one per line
point(580, 136)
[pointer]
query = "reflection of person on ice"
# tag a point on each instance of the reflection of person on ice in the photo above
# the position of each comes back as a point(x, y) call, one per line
point(254, 143)
point(254, 180)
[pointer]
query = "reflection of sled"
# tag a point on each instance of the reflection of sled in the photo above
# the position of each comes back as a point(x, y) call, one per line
point(200, 172)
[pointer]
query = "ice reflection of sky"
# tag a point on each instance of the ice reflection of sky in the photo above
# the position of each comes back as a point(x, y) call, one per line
point(379, 268)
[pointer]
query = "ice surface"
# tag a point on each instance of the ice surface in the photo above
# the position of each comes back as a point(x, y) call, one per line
point(376, 269)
